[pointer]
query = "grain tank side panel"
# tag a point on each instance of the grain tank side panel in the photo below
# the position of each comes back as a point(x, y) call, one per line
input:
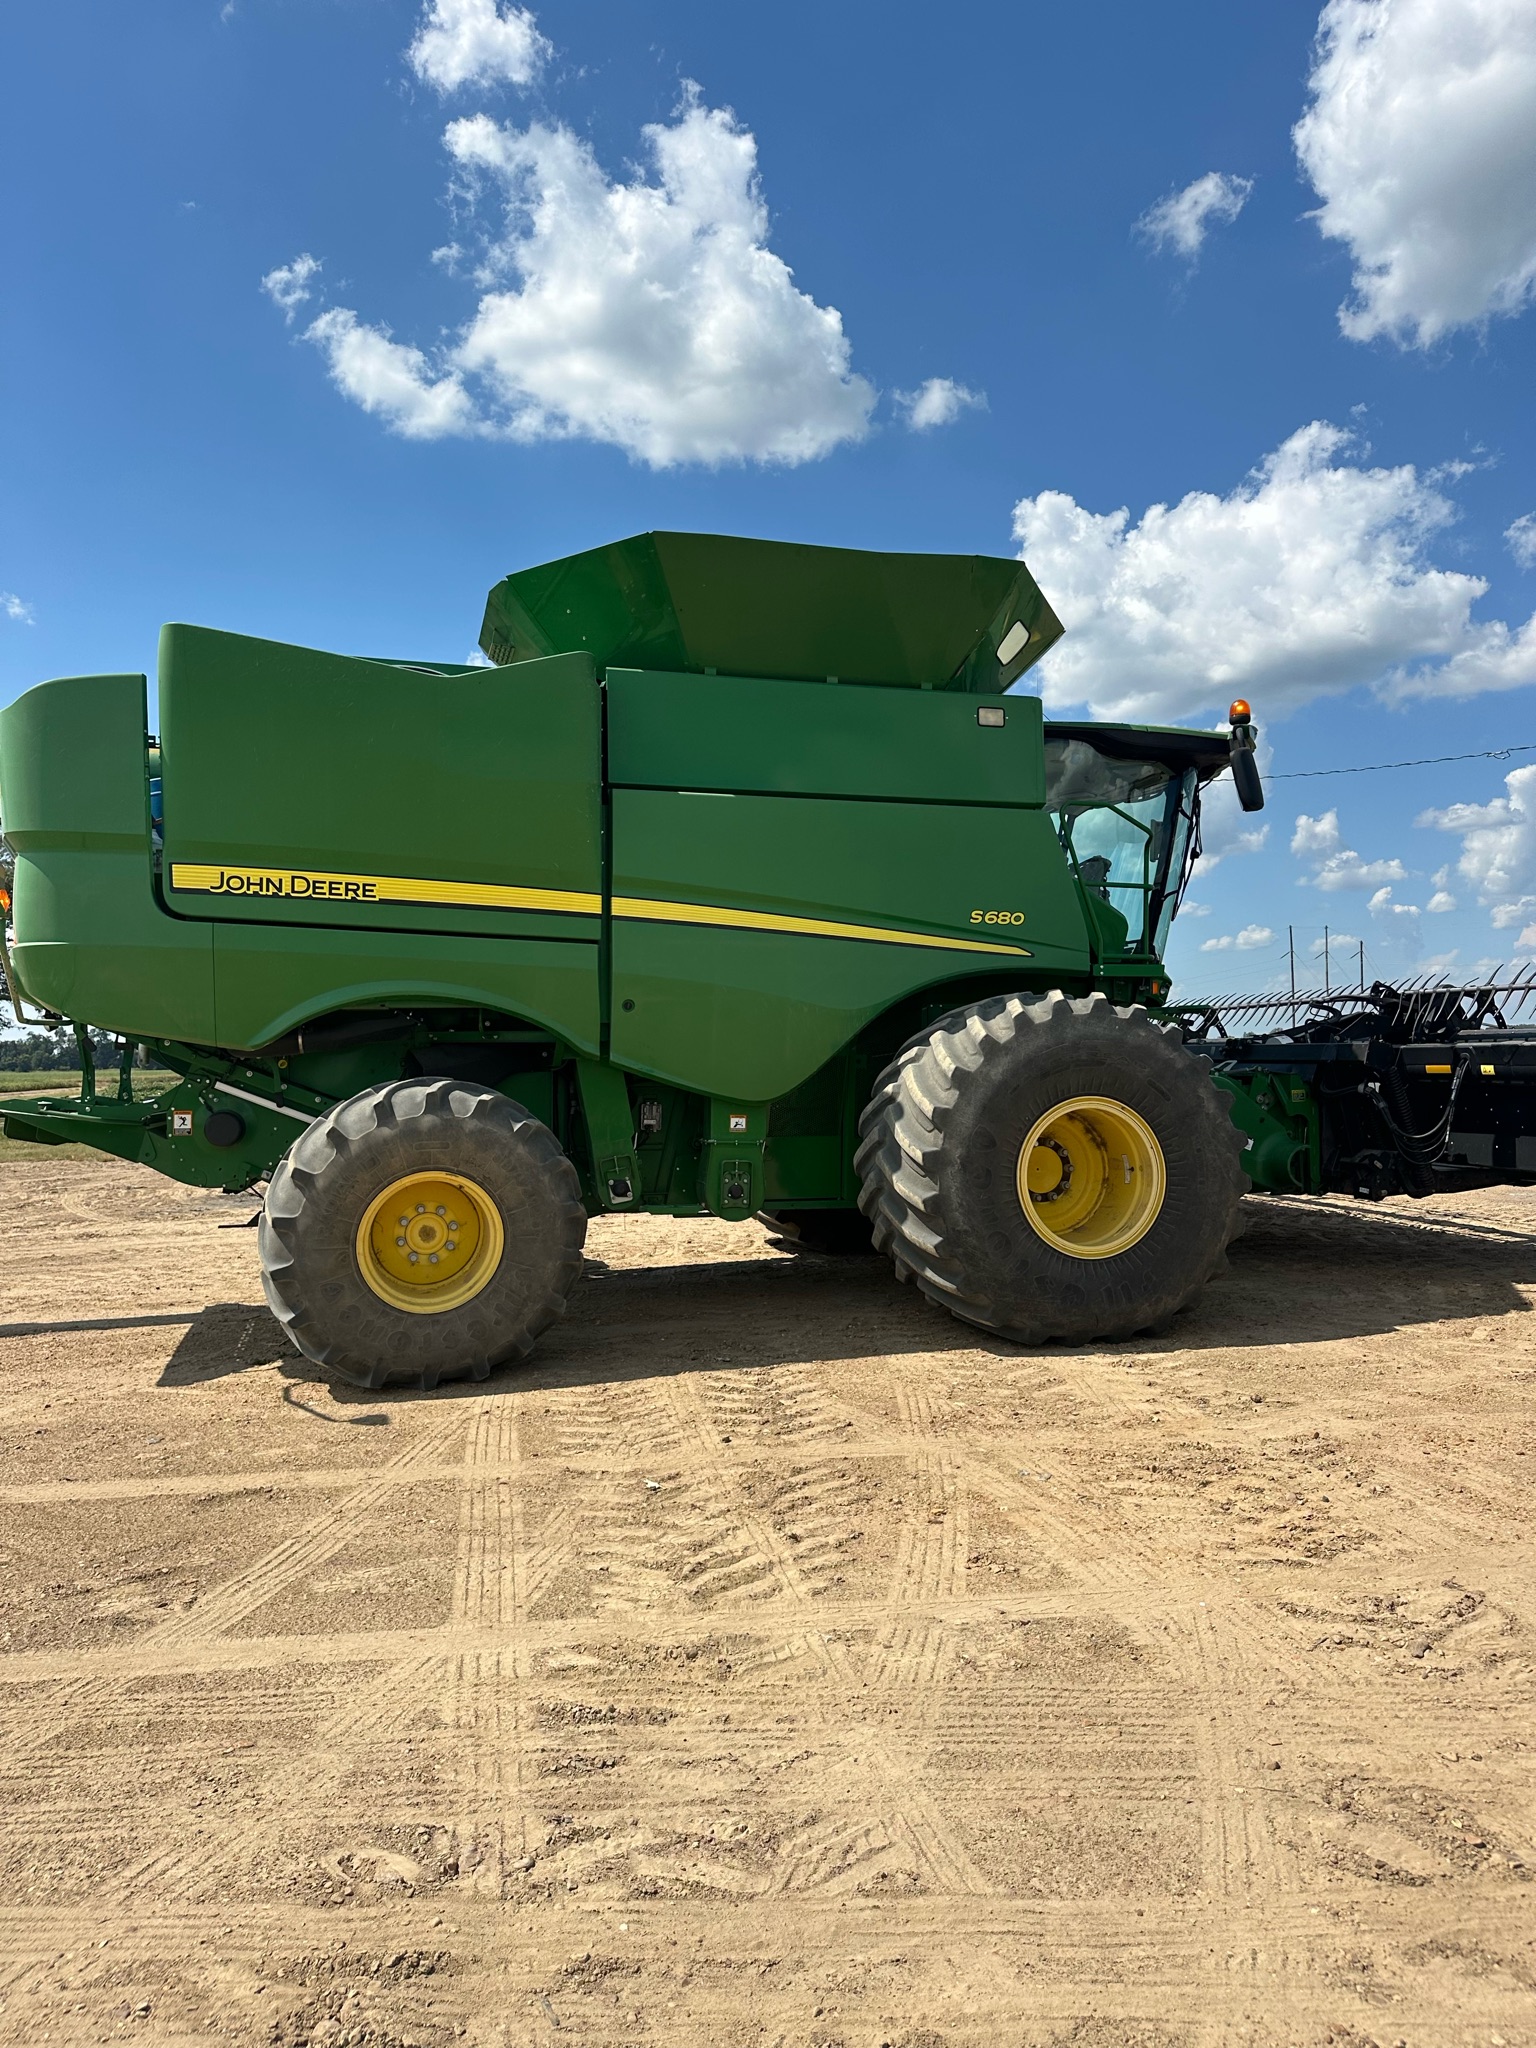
point(802, 739)
point(91, 940)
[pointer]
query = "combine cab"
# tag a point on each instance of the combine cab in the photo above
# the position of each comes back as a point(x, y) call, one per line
point(740, 884)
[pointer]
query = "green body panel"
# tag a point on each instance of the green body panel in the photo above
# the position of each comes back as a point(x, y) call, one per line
point(813, 1133)
point(713, 603)
point(871, 808)
point(91, 940)
point(280, 758)
point(269, 980)
point(754, 1012)
point(802, 739)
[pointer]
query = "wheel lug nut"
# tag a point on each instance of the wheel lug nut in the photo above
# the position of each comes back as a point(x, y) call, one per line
point(401, 1242)
point(421, 1208)
point(412, 1258)
point(441, 1210)
point(431, 1258)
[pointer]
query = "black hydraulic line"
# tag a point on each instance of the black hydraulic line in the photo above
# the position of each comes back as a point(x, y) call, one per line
point(1412, 1143)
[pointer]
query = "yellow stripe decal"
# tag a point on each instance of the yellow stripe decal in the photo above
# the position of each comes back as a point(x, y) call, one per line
point(210, 880)
point(305, 885)
point(645, 909)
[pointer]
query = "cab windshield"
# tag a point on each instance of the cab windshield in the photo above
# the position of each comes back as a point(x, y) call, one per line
point(1125, 826)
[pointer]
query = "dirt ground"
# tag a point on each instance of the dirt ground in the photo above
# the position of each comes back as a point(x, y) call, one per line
point(775, 1662)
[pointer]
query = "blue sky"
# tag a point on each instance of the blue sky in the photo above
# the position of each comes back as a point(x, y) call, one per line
point(863, 275)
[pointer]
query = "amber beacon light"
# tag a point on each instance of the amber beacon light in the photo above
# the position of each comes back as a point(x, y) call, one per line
point(1245, 768)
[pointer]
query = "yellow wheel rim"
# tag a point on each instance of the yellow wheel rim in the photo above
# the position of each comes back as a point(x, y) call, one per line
point(1091, 1177)
point(430, 1242)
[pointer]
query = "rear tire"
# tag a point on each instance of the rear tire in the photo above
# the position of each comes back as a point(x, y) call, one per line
point(834, 1233)
point(456, 1307)
point(998, 1106)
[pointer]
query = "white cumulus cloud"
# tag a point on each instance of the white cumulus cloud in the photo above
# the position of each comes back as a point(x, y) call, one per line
point(1384, 904)
point(1498, 849)
point(1248, 940)
point(1347, 870)
point(1521, 536)
point(1496, 657)
point(289, 285)
point(476, 42)
point(1420, 141)
point(16, 608)
point(1335, 865)
point(1311, 577)
point(391, 380)
point(1182, 221)
point(1316, 837)
point(936, 403)
point(649, 314)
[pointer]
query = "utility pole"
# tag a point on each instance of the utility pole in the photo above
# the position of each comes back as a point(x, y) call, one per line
point(1326, 988)
point(1290, 935)
point(1362, 967)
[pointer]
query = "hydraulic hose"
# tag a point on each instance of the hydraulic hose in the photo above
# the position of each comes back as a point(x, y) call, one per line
point(1414, 1144)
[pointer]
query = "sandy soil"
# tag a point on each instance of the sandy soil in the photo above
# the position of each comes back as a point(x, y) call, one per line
point(774, 1663)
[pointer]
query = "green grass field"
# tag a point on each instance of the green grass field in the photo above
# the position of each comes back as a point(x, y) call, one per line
point(61, 1081)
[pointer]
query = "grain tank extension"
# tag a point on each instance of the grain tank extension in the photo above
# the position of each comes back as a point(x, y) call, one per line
point(740, 884)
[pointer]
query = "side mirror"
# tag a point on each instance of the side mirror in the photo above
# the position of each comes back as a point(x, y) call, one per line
point(1245, 769)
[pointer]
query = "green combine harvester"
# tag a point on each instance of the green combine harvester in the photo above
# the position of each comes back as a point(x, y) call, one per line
point(740, 884)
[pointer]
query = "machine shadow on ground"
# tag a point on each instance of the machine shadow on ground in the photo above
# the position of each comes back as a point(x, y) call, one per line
point(1302, 1273)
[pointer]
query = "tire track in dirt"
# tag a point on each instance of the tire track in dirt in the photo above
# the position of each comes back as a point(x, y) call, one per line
point(911, 1651)
point(741, 1554)
point(474, 1691)
point(238, 1597)
point(217, 1612)
point(367, 1718)
point(763, 1554)
point(1239, 1862)
point(908, 1659)
point(626, 1557)
point(484, 1708)
point(653, 1628)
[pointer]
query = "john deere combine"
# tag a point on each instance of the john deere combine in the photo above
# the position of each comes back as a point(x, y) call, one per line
point(739, 884)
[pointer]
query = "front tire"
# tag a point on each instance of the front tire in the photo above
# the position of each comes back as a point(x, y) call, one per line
point(1051, 1168)
point(425, 1230)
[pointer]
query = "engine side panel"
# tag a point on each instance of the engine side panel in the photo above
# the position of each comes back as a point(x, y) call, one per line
point(312, 789)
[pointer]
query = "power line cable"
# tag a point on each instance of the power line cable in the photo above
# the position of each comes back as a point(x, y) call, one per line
point(1381, 767)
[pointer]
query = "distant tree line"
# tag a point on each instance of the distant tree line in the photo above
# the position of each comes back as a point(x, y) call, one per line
point(44, 1051)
